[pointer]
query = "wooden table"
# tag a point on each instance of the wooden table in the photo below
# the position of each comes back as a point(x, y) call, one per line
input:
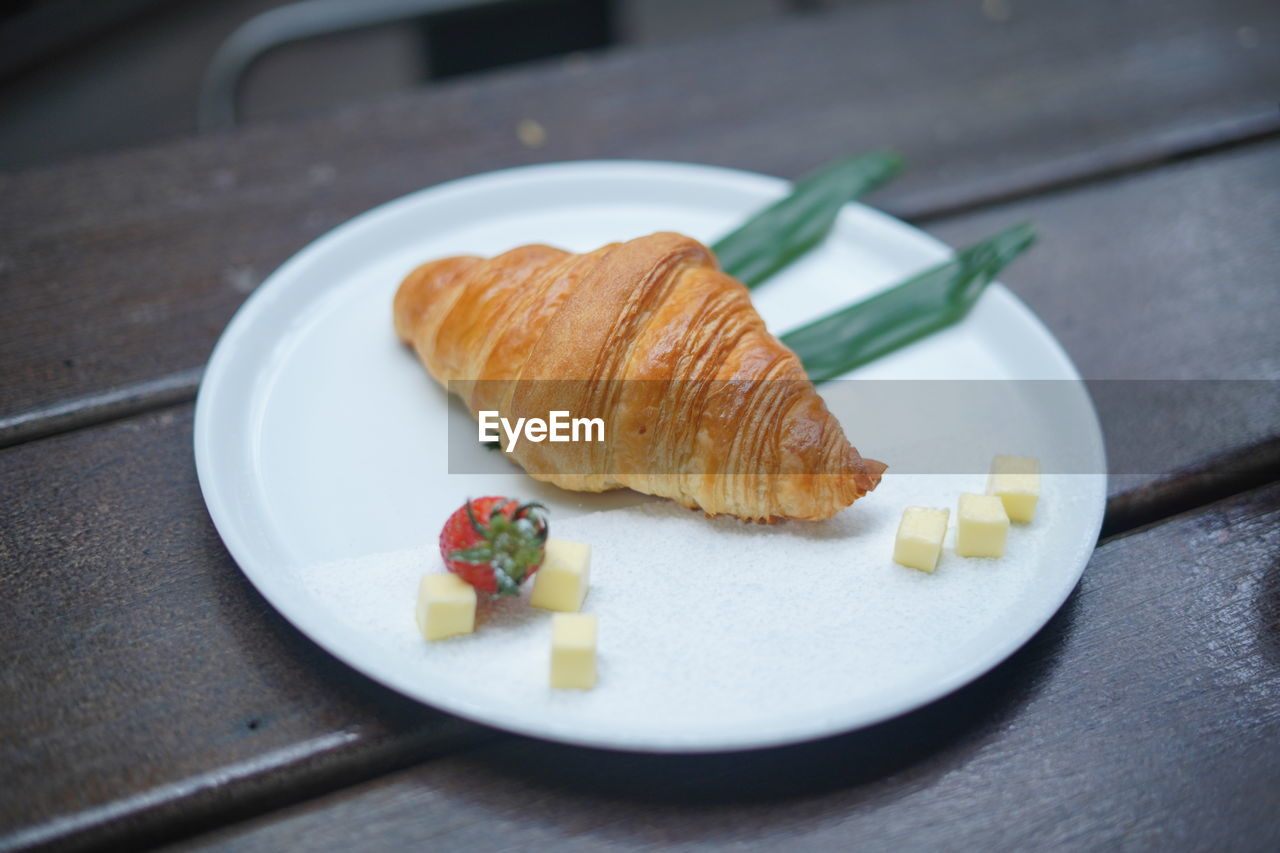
point(150, 696)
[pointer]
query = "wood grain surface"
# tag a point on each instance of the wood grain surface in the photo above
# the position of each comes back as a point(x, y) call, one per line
point(1146, 715)
point(143, 675)
point(117, 273)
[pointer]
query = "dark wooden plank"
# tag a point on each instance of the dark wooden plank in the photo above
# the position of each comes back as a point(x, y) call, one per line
point(1146, 715)
point(143, 677)
point(118, 271)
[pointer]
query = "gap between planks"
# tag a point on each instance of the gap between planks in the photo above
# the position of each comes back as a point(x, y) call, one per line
point(204, 802)
point(1092, 167)
point(1188, 489)
point(102, 407)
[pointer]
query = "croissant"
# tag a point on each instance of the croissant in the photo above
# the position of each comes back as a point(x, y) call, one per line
point(700, 403)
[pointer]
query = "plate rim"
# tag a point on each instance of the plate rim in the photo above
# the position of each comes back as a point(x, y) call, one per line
point(831, 721)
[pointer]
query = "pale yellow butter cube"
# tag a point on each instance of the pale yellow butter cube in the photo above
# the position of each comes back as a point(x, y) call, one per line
point(446, 606)
point(1016, 480)
point(562, 580)
point(982, 526)
point(573, 650)
point(920, 535)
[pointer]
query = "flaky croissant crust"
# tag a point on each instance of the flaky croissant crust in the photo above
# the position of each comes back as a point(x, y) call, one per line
point(740, 430)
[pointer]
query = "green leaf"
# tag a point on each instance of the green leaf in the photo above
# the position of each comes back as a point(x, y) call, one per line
point(934, 299)
point(785, 230)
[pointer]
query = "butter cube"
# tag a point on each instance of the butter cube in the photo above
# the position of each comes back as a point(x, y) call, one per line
point(1016, 480)
point(982, 526)
point(446, 606)
point(573, 650)
point(561, 582)
point(920, 535)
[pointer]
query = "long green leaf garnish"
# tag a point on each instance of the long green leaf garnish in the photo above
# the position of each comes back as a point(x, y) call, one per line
point(845, 339)
point(785, 230)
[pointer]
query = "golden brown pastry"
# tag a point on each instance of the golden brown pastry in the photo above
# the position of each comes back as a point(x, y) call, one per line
point(728, 422)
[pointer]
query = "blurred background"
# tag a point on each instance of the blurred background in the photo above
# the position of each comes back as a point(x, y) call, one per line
point(83, 76)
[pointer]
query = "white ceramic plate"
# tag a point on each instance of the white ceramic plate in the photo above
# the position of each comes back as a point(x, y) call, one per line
point(320, 447)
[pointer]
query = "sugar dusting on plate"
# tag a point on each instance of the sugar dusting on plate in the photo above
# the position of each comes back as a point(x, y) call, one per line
point(707, 624)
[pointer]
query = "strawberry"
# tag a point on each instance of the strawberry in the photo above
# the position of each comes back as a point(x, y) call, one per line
point(494, 543)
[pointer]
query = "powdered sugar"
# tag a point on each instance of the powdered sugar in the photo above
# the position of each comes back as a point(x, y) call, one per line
point(711, 625)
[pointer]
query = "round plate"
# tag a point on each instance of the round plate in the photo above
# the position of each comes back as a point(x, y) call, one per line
point(320, 444)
